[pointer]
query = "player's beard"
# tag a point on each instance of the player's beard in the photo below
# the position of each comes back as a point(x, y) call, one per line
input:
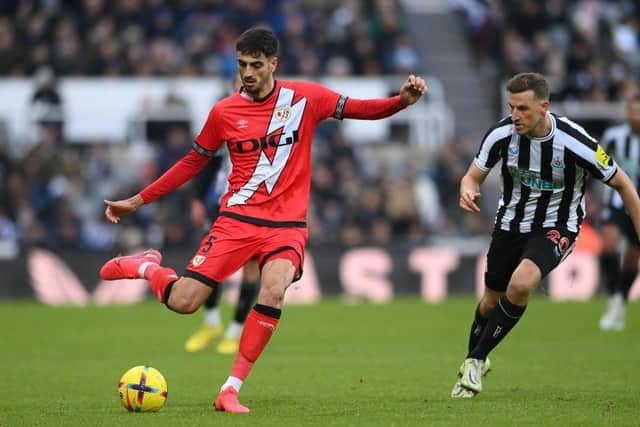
point(539, 127)
point(252, 87)
point(533, 129)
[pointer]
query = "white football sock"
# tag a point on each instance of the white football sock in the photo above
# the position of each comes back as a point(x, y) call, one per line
point(212, 317)
point(232, 382)
point(143, 268)
point(234, 330)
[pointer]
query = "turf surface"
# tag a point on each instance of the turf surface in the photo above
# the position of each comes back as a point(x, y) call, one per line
point(328, 364)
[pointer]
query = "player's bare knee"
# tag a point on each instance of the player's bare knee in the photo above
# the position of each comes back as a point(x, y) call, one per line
point(271, 296)
point(487, 304)
point(519, 289)
point(272, 293)
point(183, 304)
point(489, 300)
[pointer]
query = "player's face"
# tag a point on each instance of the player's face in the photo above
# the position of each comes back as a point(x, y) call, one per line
point(633, 115)
point(529, 115)
point(256, 73)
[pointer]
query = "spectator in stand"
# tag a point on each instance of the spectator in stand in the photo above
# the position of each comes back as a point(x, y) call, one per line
point(534, 34)
point(135, 37)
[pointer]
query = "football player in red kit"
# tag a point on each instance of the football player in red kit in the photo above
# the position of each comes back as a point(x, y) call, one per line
point(268, 127)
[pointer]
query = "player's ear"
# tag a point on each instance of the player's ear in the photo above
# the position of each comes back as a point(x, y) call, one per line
point(545, 105)
point(274, 63)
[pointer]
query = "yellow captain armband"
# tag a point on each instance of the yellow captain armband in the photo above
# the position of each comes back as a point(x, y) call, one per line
point(602, 157)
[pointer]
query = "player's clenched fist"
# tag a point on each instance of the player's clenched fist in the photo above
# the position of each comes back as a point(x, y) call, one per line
point(412, 89)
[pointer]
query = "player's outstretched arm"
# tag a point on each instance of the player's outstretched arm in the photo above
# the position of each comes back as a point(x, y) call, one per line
point(470, 188)
point(185, 169)
point(412, 90)
point(373, 109)
point(119, 208)
point(623, 185)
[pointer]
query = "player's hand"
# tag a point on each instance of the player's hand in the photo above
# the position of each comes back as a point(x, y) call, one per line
point(468, 199)
point(198, 214)
point(412, 89)
point(119, 208)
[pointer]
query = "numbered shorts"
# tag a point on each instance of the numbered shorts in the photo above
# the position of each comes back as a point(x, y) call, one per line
point(620, 218)
point(546, 248)
point(231, 243)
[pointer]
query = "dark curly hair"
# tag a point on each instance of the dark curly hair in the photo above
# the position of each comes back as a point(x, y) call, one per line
point(258, 40)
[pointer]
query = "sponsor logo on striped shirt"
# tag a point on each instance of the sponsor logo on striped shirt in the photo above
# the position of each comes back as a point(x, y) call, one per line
point(532, 180)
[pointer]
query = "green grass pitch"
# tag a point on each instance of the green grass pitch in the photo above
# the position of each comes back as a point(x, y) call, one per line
point(330, 364)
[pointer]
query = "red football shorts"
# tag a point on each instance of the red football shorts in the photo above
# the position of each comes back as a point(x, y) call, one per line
point(230, 244)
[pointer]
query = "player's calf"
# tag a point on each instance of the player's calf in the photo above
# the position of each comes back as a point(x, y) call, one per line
point(183, 296)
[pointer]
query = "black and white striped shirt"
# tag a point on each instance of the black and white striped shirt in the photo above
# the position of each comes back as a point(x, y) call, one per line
point(624, 146)
point(543, 179)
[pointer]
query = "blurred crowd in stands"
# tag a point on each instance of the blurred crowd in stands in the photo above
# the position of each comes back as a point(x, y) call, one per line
point(52, 195)
point(589, 49)
point(197, 37)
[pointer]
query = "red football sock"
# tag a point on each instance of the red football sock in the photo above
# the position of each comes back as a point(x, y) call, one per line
point(256, 334)
point(159, 278)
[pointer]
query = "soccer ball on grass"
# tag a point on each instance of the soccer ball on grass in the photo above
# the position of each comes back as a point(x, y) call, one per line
point(142, 389)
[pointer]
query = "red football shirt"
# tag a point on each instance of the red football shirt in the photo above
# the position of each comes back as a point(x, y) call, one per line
point(269, 144)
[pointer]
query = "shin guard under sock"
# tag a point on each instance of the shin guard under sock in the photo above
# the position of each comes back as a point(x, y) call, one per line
point(627, 277)
point(213, 299)
point(477, 327)
point(610, 270)
point(258, 329)
point(503, 318)
point(248, 293)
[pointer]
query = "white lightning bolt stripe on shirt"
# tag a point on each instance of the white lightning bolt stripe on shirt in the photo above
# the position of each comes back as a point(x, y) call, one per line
point(267, 171)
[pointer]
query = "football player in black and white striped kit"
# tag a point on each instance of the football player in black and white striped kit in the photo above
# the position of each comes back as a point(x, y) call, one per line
point(545, 161)
point(623, 143)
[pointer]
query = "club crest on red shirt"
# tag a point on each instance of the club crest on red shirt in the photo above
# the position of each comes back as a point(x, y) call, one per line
point(197, 260)
point(282, 113)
